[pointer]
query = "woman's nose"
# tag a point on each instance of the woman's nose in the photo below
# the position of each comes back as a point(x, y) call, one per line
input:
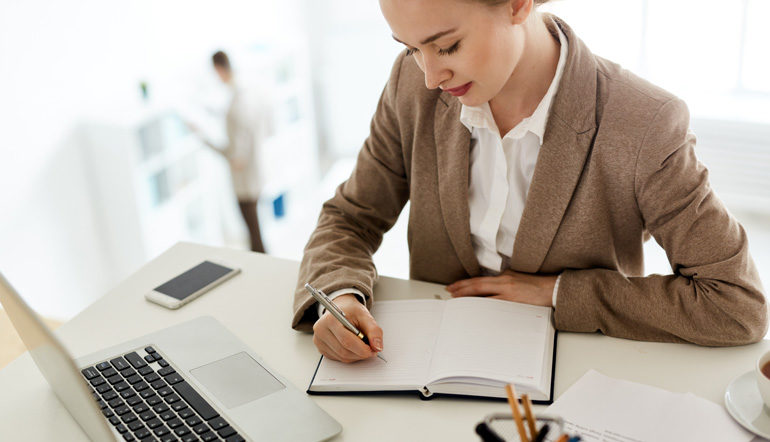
point(435, 73)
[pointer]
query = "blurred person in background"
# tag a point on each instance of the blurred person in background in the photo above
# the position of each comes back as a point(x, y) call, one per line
point(249, 122)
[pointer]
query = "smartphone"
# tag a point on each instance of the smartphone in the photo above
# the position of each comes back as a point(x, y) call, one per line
point(182, 289)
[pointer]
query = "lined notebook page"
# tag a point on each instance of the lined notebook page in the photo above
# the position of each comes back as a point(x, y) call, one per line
point(410, 329)
point(491, 338)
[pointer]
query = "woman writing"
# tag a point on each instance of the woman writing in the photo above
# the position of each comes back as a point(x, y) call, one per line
point(535, 170)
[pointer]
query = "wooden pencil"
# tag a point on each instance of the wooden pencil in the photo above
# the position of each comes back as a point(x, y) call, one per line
point(514, 403)
point(530, 416)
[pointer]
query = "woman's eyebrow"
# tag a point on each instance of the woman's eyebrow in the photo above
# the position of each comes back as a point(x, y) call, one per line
point(433, 37)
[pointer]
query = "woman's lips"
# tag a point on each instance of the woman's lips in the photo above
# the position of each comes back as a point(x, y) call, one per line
point(459, 91)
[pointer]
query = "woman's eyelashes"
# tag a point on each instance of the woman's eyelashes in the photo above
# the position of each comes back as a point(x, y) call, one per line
point(449, 51)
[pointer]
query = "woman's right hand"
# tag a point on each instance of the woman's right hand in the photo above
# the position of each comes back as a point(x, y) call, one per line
point(334, 341)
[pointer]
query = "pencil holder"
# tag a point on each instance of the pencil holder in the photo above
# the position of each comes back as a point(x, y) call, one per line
point(500, 427)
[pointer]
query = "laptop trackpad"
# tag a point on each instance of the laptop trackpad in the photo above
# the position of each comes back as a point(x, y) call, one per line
point(237, 379)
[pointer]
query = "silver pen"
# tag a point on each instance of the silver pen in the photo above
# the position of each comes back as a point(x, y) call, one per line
point(324, 300)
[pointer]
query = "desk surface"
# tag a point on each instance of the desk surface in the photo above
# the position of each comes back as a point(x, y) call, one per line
point(256, 306)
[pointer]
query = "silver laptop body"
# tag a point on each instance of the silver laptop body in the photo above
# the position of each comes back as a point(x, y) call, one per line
point(203, 364)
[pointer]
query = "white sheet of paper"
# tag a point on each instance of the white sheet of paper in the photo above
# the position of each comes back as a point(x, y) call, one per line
point(600, 408)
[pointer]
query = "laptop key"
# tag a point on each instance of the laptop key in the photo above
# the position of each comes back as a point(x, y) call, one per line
point(165, 371)
point(208, 437)
point(114, 379)
point(175, 422)
point(181, 430)
point(190, 438)
point(102, 405)
point(144, 371)
point(200, 429)
point(218, 423)
point(167, 415)
point(128, 372)
point(162, 362)
point(114, 420)
point(170, 399)
point(135, 360)
point(165, 391)
point(161, 431)
point(123, 409)
point(135, 426)
point(121, 428)
point(158, 384)
point(109, 372)
point(108, 413)
point(226, 432)
point(156, 357)
point(193, 421)
point(149, 358)
point(119, 363)
point(110, 395)
point(134, 379)
point(105, 387)
point(128, 437)
point(129, 417)
point(141, 434)
point(195, 400)
point(141, 408)
point(90, 372)
point(120, 386)
point(154, 400)
point(141, 385)
point(133, 400)
point(103, 366)
point(149, 349)
point(235, 438)
point(117, 402)
point(152, 377)
point(147, 415)
point(181, 408)
point(174, 378)
point(160, 408)
point(169, 438)
point(97, 381)
point(154, 423)
point(127, 394)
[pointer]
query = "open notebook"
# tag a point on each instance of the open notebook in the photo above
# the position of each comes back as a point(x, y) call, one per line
point(463, 346)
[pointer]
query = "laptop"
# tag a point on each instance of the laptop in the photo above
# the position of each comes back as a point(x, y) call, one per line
point(195, 381)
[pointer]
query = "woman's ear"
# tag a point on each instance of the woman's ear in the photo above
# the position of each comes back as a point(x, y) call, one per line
point(520, 10)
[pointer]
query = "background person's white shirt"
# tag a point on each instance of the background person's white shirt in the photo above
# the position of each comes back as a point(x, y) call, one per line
point(501, 172)
point(248, 122)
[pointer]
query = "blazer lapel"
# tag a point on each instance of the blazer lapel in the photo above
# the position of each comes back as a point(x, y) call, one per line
point(452, 143)
point(566, 145)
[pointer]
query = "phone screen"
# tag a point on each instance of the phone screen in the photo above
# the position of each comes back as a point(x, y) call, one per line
point(193, 280)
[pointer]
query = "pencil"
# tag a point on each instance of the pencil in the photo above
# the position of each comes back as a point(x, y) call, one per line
point(514, 403)
point(563, 438)
point(530, 417)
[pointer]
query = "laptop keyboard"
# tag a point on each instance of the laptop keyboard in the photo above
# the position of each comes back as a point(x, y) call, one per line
point(145, 399)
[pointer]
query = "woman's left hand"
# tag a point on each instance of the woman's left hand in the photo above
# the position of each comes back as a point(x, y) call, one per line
point(510, 286)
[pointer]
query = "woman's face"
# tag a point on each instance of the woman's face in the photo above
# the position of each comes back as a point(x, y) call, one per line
point(465, 48)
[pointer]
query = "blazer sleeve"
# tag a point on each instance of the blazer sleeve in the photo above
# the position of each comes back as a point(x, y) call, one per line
point(351, 224)
point(714, 296)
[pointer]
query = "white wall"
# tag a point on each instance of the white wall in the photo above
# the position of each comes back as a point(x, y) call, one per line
point(65, 62)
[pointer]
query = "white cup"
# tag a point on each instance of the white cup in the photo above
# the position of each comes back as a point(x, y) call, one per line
point(763, 382)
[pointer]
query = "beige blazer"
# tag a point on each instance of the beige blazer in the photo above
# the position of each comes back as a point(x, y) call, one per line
point(617, 166)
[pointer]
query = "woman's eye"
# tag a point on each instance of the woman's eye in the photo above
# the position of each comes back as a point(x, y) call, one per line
point(451, 50)
point(410, 51)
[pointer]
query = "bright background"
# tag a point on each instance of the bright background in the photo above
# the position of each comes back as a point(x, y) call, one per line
point(96, 180)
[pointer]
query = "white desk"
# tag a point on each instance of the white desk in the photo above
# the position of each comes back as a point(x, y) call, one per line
point(256, 306)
